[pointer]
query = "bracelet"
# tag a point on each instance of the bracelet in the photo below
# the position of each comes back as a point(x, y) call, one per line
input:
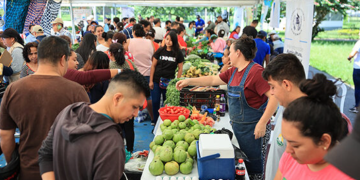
point(119, 71)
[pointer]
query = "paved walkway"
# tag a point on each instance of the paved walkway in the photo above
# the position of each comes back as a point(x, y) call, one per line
point(349, 100)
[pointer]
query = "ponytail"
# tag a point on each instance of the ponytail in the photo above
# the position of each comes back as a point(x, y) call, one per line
point(117, 50)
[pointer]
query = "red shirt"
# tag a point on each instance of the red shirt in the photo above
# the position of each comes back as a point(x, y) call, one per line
point(129, 25)
point(181, 41)
point(255, 85)
point(156, 46)
point(88, 77)
point(232, 35)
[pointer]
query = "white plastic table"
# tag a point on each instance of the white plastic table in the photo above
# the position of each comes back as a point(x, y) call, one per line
point(223, 123)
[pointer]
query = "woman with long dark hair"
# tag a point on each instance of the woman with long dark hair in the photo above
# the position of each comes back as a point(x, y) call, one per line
point(87, 46)
point(165, 62)
point(117, 58)
point(15, 45)
point(97, 60)
point(121, 39)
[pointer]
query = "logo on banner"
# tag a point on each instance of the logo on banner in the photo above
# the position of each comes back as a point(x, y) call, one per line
point(297, 21)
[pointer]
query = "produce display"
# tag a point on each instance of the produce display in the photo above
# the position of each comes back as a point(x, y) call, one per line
point(172, 94)
point(175, 149)
point(194, 66)
point(173, 112)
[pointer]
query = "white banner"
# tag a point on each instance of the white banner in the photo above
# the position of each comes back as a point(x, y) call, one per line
point(81, 14)
point(239, 17)
point(127, 12)
point(299, 20)
point(275, 14)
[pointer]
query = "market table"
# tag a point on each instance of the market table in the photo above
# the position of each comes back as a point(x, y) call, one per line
point(223, 123)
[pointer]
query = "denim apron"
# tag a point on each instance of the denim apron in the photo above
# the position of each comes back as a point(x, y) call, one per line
point(243, 119)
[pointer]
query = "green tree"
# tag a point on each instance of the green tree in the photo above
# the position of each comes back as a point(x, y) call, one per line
point(170, 13)
point(324, 7)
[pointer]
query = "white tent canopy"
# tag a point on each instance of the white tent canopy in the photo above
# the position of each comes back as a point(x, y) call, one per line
point(161, 3)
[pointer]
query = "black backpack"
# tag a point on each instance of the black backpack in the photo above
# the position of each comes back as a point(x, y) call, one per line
point(12, 169)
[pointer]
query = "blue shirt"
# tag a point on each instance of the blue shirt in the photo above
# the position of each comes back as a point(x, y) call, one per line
point(30, 38)
point(128, 32)
point(263, 49)
point(106, 28)
point(200, 22)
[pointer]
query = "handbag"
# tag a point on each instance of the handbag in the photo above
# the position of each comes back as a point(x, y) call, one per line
point(164, 82)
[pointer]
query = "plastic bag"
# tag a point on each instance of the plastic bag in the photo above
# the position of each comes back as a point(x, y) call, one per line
point(239, 154)
point(225, 131)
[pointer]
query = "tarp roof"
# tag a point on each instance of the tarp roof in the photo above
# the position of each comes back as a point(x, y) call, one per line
point(161, 3)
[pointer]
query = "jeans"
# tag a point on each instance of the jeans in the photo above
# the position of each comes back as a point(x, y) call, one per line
point(156, 96)
point(148, 80)
point(356, 79)
point(128, 130)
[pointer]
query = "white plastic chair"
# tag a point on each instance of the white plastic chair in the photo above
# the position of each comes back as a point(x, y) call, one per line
point(340, 85)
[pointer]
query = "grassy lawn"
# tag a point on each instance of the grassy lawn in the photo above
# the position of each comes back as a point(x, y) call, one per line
point(330, 57)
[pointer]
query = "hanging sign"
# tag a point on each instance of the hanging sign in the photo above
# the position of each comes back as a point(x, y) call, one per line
point(299, 20)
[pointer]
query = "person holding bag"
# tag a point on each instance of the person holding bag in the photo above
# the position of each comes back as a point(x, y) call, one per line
point(14, 45)
point(165, 61)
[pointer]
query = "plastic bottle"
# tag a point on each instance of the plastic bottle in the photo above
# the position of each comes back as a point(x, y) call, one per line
point(240, 170)
point(222, 105)
point(217, 104)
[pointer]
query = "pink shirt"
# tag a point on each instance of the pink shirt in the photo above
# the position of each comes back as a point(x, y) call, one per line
point(142, 50)
point(292, 170)
point(219, 45)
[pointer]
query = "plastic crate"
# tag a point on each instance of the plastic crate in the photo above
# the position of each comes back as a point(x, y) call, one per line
point(197, 99)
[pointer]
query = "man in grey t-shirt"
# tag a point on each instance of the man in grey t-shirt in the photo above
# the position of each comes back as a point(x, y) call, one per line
point(284, 74)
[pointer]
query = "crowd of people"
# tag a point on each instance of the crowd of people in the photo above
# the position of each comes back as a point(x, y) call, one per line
point(76, 105)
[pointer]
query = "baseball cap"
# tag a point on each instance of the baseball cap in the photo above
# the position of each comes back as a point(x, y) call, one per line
point(345, 156)
point(37, 29)
point(181, 19)
point(9, 32)
point(272, 32)
point(276, 37)
point(90, 18)
point(58, 20)
point(262, 33)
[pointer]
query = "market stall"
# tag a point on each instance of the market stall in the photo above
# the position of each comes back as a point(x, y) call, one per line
point(223, 123)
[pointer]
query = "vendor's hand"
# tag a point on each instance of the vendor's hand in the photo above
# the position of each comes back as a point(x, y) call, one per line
point(151, 85)
point(181, 84)
point(260, 130)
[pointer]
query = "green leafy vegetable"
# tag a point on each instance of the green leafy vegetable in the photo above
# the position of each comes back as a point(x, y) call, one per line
point(172, 94)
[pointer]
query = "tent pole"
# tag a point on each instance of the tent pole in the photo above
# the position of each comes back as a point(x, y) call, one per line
point(94, 11)
point(59, 12)
point(206, 18)
point(72, 23)
point(112, 13)
point(104, 15)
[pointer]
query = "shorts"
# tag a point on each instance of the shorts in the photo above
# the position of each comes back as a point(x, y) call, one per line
point(148, 80)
